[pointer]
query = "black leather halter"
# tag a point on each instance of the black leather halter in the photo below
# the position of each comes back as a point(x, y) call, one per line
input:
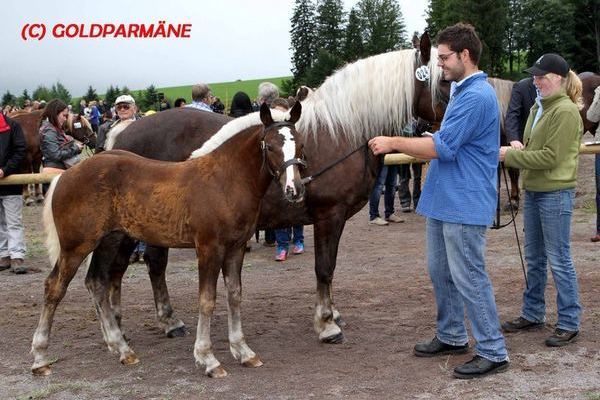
point(266, 147)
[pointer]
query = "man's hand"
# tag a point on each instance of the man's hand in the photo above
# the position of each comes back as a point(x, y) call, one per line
point(517, 145)
point(503, 151)
point(381, 145)
point(1, 173)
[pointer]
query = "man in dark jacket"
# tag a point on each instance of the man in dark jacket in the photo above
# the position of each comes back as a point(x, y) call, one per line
point(12, 236)
point(521, 100)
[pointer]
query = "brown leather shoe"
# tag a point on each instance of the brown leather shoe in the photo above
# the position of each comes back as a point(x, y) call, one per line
point(17, 266)
point(4, 263)
point(595, 238)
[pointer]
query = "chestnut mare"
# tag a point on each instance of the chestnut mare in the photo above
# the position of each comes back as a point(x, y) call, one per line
point(76, 126)
point(210, 202)
point(373, 96)
point(590, 82)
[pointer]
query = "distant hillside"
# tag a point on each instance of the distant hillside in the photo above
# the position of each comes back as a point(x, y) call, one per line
point(222, 90)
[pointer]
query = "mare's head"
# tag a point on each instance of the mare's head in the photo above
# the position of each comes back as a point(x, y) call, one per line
point(79, 127)
point(282, 151)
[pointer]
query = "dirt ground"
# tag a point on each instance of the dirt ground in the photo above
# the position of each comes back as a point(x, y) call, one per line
point(381, 288)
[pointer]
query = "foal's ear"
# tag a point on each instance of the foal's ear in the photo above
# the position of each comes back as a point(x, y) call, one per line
point(425, 47)
point(295, 112)
point(265, 114)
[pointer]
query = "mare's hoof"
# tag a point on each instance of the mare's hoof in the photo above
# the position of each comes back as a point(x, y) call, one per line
point(335, 339)
point(42, 371)
point(217, 372)
point(340, 322)
point(130, 359)
point(253, 362)
point(177, 332)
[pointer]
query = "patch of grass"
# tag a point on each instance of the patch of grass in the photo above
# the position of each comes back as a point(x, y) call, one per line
point(589, 206)
point(592, 395)
point(51, 389)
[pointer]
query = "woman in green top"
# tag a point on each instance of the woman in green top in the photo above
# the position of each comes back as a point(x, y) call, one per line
point(549, 163)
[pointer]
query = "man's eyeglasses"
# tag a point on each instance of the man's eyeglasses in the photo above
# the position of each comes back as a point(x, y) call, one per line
point(123, 106)
point(444, 57)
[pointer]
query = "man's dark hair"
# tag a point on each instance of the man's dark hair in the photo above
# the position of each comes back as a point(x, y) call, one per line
point(179, 101)
point(459, 37)
point(53, 108)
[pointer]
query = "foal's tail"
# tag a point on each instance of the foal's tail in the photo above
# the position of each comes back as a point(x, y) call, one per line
point(52, 241)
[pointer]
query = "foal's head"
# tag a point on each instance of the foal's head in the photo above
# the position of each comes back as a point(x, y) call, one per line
point(282, 150)
point(79, 127)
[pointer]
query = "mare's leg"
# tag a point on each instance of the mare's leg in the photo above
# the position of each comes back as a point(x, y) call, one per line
point(103, 281)
point(156, 259)
point(55, 289)
point(210, 260)
point(232, 275)
point(327, 238)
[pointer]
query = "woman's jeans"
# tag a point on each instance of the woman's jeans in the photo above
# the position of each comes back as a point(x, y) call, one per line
point(547, 219)
point(456, 260)
point(387, 176)
point(283, 236)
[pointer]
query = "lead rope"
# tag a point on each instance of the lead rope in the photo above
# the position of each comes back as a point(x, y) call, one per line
point(512, 221)
point(312, 177)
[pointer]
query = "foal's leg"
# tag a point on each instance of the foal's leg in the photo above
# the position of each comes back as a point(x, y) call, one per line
point(327, 238)
point(209, 265)
point(55, 289)
point(232, 275)
point(99, 281)
point(156, 259)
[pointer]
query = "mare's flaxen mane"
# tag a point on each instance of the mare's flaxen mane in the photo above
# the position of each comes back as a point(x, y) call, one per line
point(234, 127)
point(369, 97)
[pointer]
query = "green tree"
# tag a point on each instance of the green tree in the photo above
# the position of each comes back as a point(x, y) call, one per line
point(24, 97)
point(90, 94)
point(8, 98)
point(325, 64)
point(111, 95)
point(586, 55)
point(59, 91)
point(302, 37)
point(353, 44)
point(149, 98)
point(383, 26)
point(330, 20)
point(41, 93)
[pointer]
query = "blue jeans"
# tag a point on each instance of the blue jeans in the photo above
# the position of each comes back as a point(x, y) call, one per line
point(598, 193)
point(456, 260)
point(140, 247)
point(283, 236)
point(387, 176)
point(547, 220)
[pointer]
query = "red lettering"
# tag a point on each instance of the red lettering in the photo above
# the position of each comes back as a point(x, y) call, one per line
point(108, 30)
point(58, 30)
point(186, 32)
point(121, 32)
point(133, 30)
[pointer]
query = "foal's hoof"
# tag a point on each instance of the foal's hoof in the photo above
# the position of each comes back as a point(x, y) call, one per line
point(42, 371)
point(29, 201)
point(129, 359)
point(340, 322)
point(253, 362)
point(177, 332)
point(217, 372)
point(335, 339)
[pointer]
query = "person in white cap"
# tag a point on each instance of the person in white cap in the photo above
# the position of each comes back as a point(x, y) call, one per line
point(126, 111)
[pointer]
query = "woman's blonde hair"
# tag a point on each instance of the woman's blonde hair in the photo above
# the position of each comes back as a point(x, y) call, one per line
point(574, 88)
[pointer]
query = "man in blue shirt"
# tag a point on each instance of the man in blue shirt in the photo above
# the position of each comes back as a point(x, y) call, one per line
point(202, 97)
point(459, 199)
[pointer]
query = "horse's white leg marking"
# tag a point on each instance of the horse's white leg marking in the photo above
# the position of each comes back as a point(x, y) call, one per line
point(325, 327)
point(237, 343)
point(203, 348)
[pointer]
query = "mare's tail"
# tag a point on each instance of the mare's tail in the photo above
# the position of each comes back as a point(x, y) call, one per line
point(52, 241)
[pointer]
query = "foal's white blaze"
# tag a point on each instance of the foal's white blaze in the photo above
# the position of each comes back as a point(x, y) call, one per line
point(289, 152)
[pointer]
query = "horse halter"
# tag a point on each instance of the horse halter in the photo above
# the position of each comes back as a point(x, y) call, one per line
point(267, 147)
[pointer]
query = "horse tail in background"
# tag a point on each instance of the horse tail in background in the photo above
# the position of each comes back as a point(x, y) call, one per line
point(52, 241)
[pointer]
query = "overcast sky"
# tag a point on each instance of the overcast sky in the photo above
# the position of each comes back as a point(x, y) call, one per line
point(230, 40)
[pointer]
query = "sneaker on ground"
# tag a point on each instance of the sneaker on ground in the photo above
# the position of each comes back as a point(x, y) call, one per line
point(281, 255)
point(298, 248)
point(378, 221)
point(394, 218)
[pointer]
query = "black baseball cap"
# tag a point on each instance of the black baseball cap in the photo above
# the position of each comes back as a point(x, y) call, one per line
point(547, 63)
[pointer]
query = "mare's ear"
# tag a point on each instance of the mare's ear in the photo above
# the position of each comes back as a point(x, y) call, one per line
point(295, 112)
point(302, 93)
point(265, 114)
point(425, 47)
